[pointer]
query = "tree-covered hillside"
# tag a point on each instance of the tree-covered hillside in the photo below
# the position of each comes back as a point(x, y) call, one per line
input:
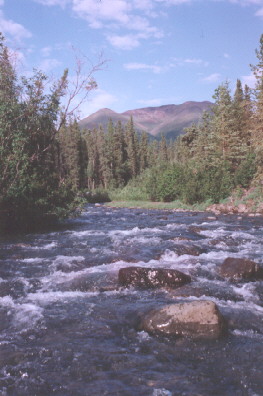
point(47, 162)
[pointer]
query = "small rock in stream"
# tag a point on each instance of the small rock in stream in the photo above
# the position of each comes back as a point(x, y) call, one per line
point(196, 319)
point(92, 282)
point(237, 269)
point(152, 277)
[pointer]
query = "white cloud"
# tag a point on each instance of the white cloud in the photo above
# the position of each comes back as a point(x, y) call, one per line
point(164, 68)
point(15, 30)
point(249, 80)
point(212, 78)
point(189, 61)
point(258, 3)
point(194, 61)
point(226, 55)
point(260, 12)
point(142, 66)
point(49, 64)
point(46, 51)
point(94, 10)
point(126, 42)
point(132, 15)
point(1, 3)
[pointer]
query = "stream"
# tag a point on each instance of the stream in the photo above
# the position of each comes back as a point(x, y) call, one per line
point(67, 329)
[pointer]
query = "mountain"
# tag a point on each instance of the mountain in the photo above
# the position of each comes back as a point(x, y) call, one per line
point(169, 120)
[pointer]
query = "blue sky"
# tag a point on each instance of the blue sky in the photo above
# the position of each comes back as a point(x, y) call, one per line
point(158, 51)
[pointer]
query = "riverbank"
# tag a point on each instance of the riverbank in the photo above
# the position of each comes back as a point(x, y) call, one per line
point(176, 205)
point(245, 202)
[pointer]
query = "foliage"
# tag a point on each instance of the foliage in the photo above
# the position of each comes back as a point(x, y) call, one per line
point(97, 196)
point(34, 186)
point(47, 163)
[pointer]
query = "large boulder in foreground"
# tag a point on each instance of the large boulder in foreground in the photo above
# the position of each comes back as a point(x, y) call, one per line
point(196, 319)
point(237, 269)
point(152, 277)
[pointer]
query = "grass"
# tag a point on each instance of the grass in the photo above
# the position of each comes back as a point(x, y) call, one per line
point(158, 205)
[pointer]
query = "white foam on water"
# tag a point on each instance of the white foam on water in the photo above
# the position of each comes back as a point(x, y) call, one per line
point(247, 291)
point(169, 256)
point(45, 298)
point(50, 245)
point(87, 233)
point(7, 302)
point(135, 231)
point(172, 260)
point(251, 247)
point(219, 232)
point(143, 336)
point(35, 260)
point(236, 305)
point(175, 226)
point(161, 392)
point(67, 261)
point(146, 240)
point(27, 315)
point(247, 333)
point(215, 256)
point(242, 235)
point(213, 223)
point(243, 305)
point(47, 246)
point(24, 314)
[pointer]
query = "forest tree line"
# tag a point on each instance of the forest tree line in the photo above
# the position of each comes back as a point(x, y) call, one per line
point(47, 162)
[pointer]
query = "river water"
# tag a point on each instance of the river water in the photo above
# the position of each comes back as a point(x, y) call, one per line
point(67, 329)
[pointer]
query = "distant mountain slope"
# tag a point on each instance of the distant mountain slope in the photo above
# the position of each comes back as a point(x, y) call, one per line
point(169, 120)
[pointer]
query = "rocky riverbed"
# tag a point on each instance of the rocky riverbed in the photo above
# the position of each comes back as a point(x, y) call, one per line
point(124, 302)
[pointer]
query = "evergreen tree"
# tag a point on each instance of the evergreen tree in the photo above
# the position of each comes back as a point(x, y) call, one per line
point(257, 131)
point(163, 156)
point(120, 155)
point(132, 148)
point(143, 152)
point(30, 186)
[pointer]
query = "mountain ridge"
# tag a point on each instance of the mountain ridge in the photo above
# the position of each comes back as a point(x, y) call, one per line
point(169, 120)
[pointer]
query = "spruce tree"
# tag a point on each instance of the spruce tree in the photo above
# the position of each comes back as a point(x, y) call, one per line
point(257, 131)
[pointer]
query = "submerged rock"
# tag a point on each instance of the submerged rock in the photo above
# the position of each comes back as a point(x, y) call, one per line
point(191, 250)
point(196, 319)
point(92, 282)
point(152, 277)
point(240, 269)
point(12, 288)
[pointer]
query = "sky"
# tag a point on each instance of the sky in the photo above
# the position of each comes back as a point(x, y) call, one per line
point(156, 52)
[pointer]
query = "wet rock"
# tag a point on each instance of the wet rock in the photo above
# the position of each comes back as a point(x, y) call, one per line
point(196, 319)
point(11, 288)
point(196, 229)
point(242, 208)
point(181, 238)
point(191, 250)
point(205, 291)
point(9, 356)
point(237, 269)
point(92, 282)
point(4, 319)
point(229, 241)
point(152, 277)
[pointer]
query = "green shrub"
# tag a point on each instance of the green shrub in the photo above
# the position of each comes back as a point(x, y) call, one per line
point(97, 196)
